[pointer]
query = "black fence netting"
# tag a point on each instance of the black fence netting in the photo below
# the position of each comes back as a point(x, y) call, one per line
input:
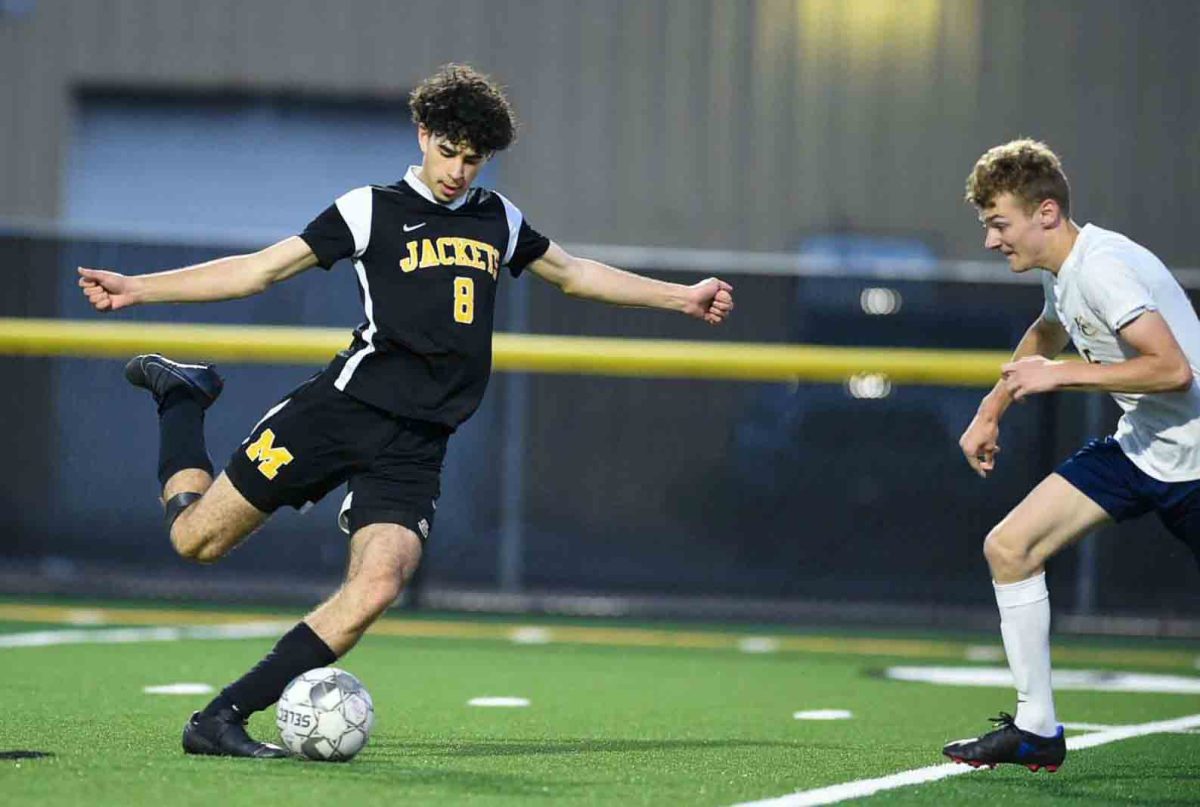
point(573, 483)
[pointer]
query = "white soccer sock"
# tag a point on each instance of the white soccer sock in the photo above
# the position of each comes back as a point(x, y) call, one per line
point(1025, 626)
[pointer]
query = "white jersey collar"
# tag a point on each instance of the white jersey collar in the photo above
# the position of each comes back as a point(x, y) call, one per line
point(1075, 256)
point(420, 187)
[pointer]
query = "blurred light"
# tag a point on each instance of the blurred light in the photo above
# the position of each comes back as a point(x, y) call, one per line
point(880, 301)
point(869, 385)
point(860, 35)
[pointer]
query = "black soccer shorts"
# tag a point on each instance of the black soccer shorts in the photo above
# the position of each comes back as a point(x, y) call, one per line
point(318, 437)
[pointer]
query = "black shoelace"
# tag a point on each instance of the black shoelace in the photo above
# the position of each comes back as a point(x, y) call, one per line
point(1004, 720)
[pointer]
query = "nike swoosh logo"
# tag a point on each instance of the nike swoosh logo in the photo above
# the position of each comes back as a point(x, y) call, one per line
point(408, 229)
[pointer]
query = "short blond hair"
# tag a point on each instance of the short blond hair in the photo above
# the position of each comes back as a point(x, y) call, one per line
point(1026, 168)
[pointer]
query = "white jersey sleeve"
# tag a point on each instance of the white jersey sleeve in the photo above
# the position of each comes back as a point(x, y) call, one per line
point(1115, 292)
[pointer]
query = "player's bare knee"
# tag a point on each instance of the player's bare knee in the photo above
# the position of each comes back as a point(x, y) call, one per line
point(210, 552)
point(1007, 553)
point(197, 542)
point(191, 546)
point(187, 541)
point(182, 524)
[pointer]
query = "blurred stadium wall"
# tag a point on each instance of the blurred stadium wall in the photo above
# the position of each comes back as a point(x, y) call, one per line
point(714, 123)
point(731, 125)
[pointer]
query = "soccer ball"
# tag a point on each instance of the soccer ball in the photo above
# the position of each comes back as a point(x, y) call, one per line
point(325, 714)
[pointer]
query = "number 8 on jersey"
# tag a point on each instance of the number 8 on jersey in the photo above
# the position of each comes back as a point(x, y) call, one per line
point(464, 300)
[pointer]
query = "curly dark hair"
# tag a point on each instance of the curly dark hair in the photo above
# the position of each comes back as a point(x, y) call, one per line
point(1026, 168)
point(464, 106)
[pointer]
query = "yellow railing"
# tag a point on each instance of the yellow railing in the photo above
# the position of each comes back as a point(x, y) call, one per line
point(582, 355)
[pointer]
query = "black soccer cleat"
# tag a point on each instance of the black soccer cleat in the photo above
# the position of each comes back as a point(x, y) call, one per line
point(160, 375)
point(224, 735)
point(1007, 743)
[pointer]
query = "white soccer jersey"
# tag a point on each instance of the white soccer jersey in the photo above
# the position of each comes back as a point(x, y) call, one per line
point(1105, 283)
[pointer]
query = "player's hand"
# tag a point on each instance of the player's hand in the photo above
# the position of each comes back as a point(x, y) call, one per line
point(106, 291)
point(979, 444)
point(710, 300)
point(1029, 376)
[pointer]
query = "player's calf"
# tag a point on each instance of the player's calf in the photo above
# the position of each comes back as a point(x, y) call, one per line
point(345, 617)
point(383, 558)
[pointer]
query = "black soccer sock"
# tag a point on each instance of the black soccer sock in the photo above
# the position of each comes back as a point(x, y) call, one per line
point(181, 435)
point(299, 651)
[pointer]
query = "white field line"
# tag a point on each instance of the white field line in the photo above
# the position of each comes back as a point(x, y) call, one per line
point(823, 714)
point(85, 616)
point(867, 787)
point(502, 702)
point(1125, 732)
point(178, 689)
point(1090, 680)
point(531, 635)
point(238, 630)
point(984, 653)
point(758, 644)
point(1106, 727)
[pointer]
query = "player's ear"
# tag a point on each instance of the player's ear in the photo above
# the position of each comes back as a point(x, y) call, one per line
point(422, 137)
point(1049, 213)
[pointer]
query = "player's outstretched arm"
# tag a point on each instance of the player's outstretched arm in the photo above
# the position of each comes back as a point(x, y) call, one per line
point(710, 300)
point(980, 442)
point(222, 279)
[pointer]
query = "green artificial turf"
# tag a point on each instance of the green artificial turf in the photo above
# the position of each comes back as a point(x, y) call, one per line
point(607, 724)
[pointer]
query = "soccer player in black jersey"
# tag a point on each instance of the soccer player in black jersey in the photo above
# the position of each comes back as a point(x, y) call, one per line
point(428, 252)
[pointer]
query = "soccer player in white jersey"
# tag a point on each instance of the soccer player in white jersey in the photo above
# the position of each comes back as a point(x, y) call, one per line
point(1131, 321)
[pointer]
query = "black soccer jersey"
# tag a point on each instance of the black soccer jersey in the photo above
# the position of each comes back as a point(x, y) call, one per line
point(427, 275)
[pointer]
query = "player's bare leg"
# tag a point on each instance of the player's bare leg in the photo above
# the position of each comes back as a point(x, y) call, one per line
point(181, 391)
point(1054, 515)
point(210, 525)
point(214, 523)
point(382, 559)
point(205, 519)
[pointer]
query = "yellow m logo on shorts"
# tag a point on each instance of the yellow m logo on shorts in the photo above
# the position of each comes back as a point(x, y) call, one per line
point(269, 458)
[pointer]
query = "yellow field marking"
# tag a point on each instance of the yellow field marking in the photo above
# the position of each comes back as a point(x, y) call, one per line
point(122, 616)
point(598, 635)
